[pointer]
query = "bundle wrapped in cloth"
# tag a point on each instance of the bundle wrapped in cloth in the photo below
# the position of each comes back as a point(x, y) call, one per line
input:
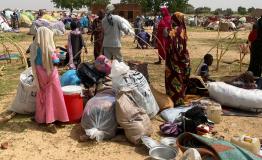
point(132, 118)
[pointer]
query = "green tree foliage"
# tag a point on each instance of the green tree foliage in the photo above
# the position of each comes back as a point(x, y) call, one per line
point(250, 10)
point(218, 11)
point(177, 5)
point(77, 4)
point(242, 10)
point(190, 9)
point(201, 10)
point(228, 12)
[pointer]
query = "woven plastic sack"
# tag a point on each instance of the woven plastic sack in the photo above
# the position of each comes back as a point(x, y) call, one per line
point(132, 118)
point(25, 100)
point(134, 81)
point(98, 120)
point(231, 96)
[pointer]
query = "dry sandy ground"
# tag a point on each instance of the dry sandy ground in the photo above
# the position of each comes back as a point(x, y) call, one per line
point(28, 140)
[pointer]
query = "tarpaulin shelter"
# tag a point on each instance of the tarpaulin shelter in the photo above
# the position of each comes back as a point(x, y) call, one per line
point(4, 25)
point(57, 27)
point(26, 19)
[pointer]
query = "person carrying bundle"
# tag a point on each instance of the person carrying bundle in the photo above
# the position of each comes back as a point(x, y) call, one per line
point(112, 27)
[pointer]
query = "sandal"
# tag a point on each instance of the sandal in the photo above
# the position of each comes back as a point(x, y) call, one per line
point(51, 128)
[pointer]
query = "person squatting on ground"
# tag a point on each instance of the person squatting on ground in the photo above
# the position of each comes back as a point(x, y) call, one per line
point(143, 39)
point(112, 26)
point(50, 104)
point(97, 35)
point(204, 69)
point(177, 70)
point(75, 45)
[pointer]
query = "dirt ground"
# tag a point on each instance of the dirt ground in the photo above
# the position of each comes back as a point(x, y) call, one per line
point(29, 141)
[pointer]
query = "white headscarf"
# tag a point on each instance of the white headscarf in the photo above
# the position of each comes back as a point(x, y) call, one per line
point(45, 41)
point(109, 10)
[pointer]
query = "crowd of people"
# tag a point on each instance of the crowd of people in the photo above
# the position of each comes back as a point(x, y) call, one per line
point(169, 37)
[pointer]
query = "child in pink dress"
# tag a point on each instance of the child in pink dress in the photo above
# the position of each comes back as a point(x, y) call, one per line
point(50, 104)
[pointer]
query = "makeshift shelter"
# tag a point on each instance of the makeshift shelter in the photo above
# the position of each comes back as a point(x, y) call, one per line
point(4, 25)
point(49, 18)
point(8, 14)
point(26, 19)
point(57, 27)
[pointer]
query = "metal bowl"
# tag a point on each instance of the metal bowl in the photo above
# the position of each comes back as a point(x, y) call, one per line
point(163, 153)
point(149, 142)
point(169, 141)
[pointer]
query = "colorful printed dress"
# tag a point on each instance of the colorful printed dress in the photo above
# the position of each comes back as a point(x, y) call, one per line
point(177, 70)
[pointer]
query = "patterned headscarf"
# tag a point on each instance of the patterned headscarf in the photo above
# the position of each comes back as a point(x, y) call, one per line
point(102, 64)
point(178, 19)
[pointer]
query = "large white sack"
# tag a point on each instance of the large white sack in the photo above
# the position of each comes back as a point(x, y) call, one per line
point(231, 96)
point(25, 100)
point(126, 80)
point(126, 25)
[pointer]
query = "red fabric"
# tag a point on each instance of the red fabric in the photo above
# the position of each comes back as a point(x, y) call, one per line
point(252, 35)
point(162, 41)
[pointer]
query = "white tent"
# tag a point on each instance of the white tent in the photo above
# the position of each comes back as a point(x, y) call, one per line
point(3, 25)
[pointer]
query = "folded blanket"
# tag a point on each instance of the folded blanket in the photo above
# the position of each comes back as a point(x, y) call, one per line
point(214, 149)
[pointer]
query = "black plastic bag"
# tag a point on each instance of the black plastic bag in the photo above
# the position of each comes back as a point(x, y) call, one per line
point(193, 118)
point(88, 75)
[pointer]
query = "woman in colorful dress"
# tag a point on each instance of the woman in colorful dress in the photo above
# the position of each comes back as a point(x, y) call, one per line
point(50, 104)
point(162, 41)
point(177, 60)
